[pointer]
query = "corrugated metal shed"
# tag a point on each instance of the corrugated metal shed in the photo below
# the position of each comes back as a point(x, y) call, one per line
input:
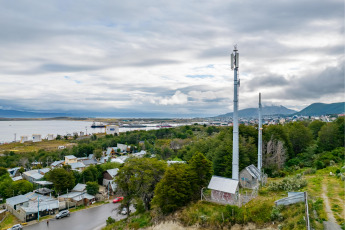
point(254, 171)
point(223, 184)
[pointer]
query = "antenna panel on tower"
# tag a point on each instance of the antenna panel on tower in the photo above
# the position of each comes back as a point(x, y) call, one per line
point(232, 61)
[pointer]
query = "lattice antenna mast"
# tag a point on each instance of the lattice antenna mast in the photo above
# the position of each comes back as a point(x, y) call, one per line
point(235, 152)
point(260, 136)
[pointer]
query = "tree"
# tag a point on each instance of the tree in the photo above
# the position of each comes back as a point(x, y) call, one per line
point(201, 169)
point(315, 126)
point(3, 171)
point(21, 187)
point(299, 136)
point(330, 137)
point(61, 179)
point(97, 153)
point(92, 188)
point(174, 190)
point(138, 178)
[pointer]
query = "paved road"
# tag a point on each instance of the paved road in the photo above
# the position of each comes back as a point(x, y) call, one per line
point(88, 219)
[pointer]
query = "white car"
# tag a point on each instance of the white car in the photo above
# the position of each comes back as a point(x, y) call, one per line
point(124, 211)
point(16, 227)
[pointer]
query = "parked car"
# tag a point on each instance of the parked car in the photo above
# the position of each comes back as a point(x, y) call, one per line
point(124, 211)
point(118, 199)
point(62, 214)
point(16, 227)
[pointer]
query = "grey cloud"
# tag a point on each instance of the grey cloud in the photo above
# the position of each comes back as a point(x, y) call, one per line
point(266, 81)
point(50, 67)
point(328, 82)
point(154, 62)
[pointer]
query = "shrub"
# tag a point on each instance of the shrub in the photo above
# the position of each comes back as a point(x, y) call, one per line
point(275, 213)
point(110, 220)
point(309, 171)
point(288, 184)
point(319, 165)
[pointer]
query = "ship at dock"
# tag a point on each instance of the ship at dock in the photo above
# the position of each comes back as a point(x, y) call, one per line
point(99, 125)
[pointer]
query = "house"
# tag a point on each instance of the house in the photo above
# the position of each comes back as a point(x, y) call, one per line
point(90, 162)
point(36, 137)
point(78, 198)
point(223, 190)
point(112, 151)
point(250, 177)
point(50, 137)
point(108, 179)
point(43, 171)
point(29, 211)
point(61, 147)
point(104, 159)
point(123, 148)
point(112, 129)
point(13, 203)
point(57, 164)
point(78, 166)
point(79, 188)
point(36, 163)
point(14, 172)
point(32, 175)
point(70, 159)
point(139, 154)
point(25, 207)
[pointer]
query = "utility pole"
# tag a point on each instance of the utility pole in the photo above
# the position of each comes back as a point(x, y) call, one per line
point(260, 137)
point(235, 152)
point(38, 207)
point(67, 200)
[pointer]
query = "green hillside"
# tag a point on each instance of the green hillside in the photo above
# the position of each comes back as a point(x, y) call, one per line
point(318, 109)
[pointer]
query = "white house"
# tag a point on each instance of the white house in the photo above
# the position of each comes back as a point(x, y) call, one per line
point(50, 137)
point(36, 137)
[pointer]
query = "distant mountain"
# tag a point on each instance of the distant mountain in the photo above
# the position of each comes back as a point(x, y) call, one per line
point(318, 109)
point(26, 114)
point(266, 110)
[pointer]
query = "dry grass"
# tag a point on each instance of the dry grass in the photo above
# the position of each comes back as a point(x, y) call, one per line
point(9, 221)
point(33, 147)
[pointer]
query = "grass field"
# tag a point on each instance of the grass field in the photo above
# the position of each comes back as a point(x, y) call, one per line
point(9, 221)
point(33, 147)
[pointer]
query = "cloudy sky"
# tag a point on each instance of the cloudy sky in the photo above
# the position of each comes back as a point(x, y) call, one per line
point(169, 58)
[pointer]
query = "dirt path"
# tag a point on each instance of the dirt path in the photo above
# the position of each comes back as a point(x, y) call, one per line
point(331, 223)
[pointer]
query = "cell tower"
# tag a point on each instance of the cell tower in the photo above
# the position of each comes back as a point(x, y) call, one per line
point(260, 136)
point(234, 66)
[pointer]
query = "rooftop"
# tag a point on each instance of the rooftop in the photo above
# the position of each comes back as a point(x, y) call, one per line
point(223, 184)
point(16, 200)
point(70, 157)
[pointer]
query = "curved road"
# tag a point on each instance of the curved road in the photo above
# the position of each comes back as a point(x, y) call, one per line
point(88, 219)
